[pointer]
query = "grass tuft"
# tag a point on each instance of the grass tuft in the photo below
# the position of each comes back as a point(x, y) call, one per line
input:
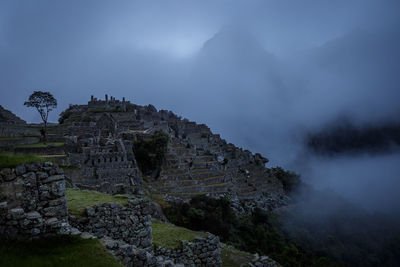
point(56, 251)
point(8, 160)
point(170, 236)
point(232, 257)
point(78, 200)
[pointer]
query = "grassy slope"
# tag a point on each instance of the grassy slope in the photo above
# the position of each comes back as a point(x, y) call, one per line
point(235, 258)
point(8, 160)
point(78, 200)
point(60, 251)
point(170, 236)
point(41, 145)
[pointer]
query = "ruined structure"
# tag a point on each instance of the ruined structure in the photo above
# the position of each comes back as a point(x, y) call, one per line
point(101, 137)
point(32, 201)
point(7, 117)
point(108, 104)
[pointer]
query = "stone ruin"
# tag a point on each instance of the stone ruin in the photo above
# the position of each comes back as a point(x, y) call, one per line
point(197, 161)
point(108, 104)
point(32, 201)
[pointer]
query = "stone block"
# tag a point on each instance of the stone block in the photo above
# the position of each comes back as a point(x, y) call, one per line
point(29, 179)
point(42, 175)
point(17, 213)
point(53, 178)
point(3, 205)
point(52, 212)
point(58, 188)
point(20, 170)
point(33, 215)
point(48, 164)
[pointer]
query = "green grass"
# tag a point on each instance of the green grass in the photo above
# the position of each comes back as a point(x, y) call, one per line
point(170, 236)
point(8, 160)
point(10, 138)
point(66, 168)
point(58, 251)
point(78, 200)
point(159, 199)
point(42, 145)
point(235, 258)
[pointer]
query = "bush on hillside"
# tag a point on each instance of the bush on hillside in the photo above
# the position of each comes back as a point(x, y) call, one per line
point(150, 154)
point(258, 232)
point(290, 180)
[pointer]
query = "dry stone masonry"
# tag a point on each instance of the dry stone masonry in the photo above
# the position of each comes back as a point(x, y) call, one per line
point(126, 233)
point(131, 224)
point(32, 201)
point(203, 251)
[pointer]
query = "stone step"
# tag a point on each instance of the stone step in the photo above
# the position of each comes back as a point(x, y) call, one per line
point(192, 174)
point(175, 171)
point(189, 182)
point(195, 188)
point(245, 189)
point(249, 194)
point(188, 196)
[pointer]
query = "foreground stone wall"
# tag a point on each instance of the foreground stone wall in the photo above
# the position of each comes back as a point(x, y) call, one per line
point(204, 251)
point(131, 224)
point(32, 201)
point(133, 256)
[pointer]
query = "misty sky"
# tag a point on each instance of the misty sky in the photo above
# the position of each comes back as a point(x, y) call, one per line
point(248, 69)
point(261, 73)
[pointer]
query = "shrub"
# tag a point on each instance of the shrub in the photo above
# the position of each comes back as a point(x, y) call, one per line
point(256, 233)
point(290, 180)
point(150, 154)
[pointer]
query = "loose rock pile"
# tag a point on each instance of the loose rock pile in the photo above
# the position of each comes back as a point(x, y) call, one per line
point(32, 201)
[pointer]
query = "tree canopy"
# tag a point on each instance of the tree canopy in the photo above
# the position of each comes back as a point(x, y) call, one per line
point(44, 102)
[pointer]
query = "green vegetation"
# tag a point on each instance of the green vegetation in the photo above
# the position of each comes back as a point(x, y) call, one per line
point(235, 258)
point(42, 145)
point(10, 138)
point(290, 180)
point(9, 160)
point(78, 200)
point(170, 236)
point(59, 251)
point(150, 154)
point(66, 168)
point(43, 102)
point(258, 232)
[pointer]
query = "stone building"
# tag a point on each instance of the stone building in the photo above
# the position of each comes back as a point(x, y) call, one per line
point(197, 161)
point(108, 104)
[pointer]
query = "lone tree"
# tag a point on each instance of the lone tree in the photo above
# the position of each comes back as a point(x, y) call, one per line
point(44, 102)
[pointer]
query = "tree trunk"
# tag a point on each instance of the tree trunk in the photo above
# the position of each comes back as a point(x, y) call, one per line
point(45, 132)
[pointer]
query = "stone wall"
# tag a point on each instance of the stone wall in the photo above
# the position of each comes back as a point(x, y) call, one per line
point(133, 256)
point(32, 201)
point(204, 251)
point(131, 224)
